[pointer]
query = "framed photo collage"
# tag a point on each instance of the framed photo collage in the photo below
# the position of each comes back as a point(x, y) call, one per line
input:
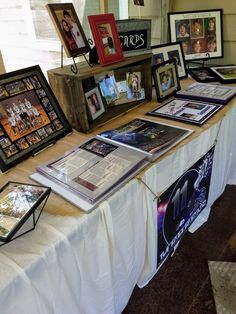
point(30, 116)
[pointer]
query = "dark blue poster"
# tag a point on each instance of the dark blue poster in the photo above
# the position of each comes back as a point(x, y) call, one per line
point(181, 203)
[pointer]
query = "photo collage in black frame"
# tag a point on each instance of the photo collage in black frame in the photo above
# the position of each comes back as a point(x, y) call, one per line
point(30, 116)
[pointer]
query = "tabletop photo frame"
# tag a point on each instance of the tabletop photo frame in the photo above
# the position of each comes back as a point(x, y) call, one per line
point(226, 74)
point(167, 51)
point(68, 28)
point(166, 80)
point(21, 216)
point(95, 104)
point(31, 117)
point(201, 33)
point(105, 35)
point(190, 111)
point(203, 74)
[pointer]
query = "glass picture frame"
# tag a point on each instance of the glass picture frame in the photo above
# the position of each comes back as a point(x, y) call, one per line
point(68, 28)
point(31, 117)
point(166, 80)
point(94, 102)
point(106, 38)
point(201, 33)
point(21, 205)
point(168, 51)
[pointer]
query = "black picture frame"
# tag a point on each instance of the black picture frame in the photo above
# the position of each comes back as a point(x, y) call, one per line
point(166, 80)
point(18, 218)
point(165, 52)
point(226, 74)
point(189, 111)
point(31, 117)
point(201, 33)
point(203, 74)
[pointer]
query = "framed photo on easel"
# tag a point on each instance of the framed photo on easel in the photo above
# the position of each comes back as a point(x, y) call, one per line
point(200, 32)
point(68, 28)
point(105, 35)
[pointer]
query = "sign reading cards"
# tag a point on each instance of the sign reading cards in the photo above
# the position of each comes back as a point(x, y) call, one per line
point(181, 203)
point(135, 36)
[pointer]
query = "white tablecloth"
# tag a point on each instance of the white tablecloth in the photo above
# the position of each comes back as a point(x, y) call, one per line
point(90, 264)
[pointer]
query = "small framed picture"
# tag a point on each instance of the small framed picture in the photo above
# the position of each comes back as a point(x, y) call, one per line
point(139, 2)
point(166, 79)
point(105, 35)
point(108, 87)
point(199, 31)
point(20, 203)
point(68, 28)
point(226, 74)
point(168, 51)
point(203, 74)
point(31, 118)
point(94, 103)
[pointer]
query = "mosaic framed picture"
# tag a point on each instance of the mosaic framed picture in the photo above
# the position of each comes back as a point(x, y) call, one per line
point(30, 116)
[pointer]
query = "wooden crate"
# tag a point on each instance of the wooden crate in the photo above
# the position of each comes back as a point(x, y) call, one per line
point(68, 88)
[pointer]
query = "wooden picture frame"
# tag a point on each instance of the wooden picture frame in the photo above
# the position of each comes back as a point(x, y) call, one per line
point(105, 35)
point(94, 102)
point(225, 74)
point(166, 80)
point(199, 31)
point(31, 118)
point(68, 28)
point(165, 52)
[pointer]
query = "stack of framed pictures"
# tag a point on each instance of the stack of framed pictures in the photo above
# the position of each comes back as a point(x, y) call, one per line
point(30, 116)
point(195, 105)
point(21, 205)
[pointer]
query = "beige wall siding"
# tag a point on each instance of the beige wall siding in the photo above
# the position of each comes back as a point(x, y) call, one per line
point(151, 10)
